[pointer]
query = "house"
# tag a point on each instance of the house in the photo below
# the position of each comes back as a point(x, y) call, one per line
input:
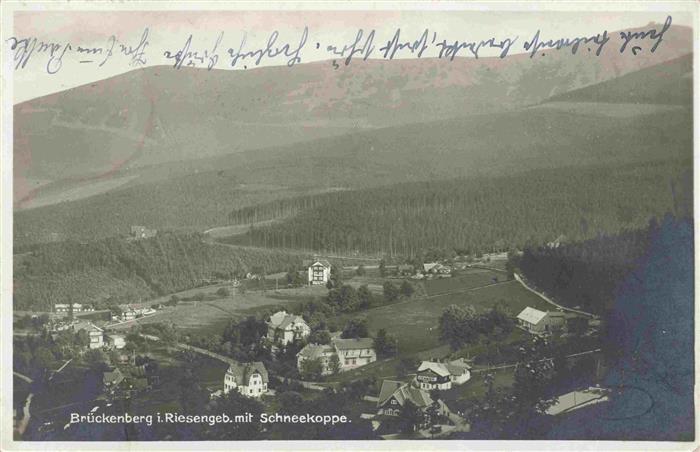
point(539, 322)
point(319, 273)
point(142, 232)
point(394, 395)
point(249, 379)
point(406, 270)
point(284, 328)
point(351, 353)
point(128, 314)
point(94, 333)
point(495, 256)
point(354, 353)
point(320, 352)
point(65, 308)
point(431, 267)
point(112, 378)
point(441, 376)
point(556, 243)
point(116, 341)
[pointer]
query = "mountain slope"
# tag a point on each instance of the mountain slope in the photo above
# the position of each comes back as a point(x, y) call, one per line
point(156, 115)
point(669, 83)
point(475, 215)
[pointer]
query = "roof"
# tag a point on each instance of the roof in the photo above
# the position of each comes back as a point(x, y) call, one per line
point(112, 377)
point(578, 399)
point(353, 344)
point(387, 389)
point(323, 262)
point(429, 266)
point(87, 326)
point(242, 372)
point(457, 366)
point(438, 368)
point(403, 392)
point(282, 320)
point(532, 315)
point(315, 351)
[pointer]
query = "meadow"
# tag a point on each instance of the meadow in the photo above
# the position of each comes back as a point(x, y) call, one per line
point(213, 316)
point(414, 322)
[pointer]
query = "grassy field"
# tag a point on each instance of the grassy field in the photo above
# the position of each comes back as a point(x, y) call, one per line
point(211, 316)
point(415, 322)
point(470, 278)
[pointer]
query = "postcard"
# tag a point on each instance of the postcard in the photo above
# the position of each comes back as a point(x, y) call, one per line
point(348, 225)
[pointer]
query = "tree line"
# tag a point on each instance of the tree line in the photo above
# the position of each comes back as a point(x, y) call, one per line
point(469, 215)
point(586, 274)
point(113, 271)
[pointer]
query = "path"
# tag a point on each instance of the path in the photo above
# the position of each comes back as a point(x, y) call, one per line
point(201, 351)
point(134, 321)
point(60, 369)
point(22, 426)
point(507, 366)
point(22, 377)
point(548, 300)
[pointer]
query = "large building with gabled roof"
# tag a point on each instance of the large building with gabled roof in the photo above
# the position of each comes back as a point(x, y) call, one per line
point(394, 395)
point(249, 379)
point(283, 328)
point(351, 353)
point(442, 375)
point(539, 322)
point(319, 272)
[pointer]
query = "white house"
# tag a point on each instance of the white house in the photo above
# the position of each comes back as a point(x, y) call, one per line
point(249, 379)
point(351, 353)
point(284, 328)
point(116, 341)
point(94, 333)
point(441, 376)
point(65, 307)
point(319, 273)
point(128, 314)
point(354, 353)
point(539, 322)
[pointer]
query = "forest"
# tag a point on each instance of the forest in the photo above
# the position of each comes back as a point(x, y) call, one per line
point(116, 270)
point(469, 215)
point(591, 274)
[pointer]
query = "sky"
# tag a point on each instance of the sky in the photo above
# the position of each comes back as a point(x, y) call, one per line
point(169, 30)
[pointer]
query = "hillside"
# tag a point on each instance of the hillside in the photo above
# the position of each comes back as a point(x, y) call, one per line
point(473, 215)
point(670, 83)
point(485, 145)
point(117, 271)
point(155, 115)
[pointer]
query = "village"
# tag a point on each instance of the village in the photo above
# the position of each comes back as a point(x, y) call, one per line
point(435, 381)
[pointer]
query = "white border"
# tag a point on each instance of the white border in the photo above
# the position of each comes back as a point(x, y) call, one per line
point(6, 224)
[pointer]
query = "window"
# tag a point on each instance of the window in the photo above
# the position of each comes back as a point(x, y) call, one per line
point(393, 401)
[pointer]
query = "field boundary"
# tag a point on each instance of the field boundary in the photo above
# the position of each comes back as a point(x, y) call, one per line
point(548, 300)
